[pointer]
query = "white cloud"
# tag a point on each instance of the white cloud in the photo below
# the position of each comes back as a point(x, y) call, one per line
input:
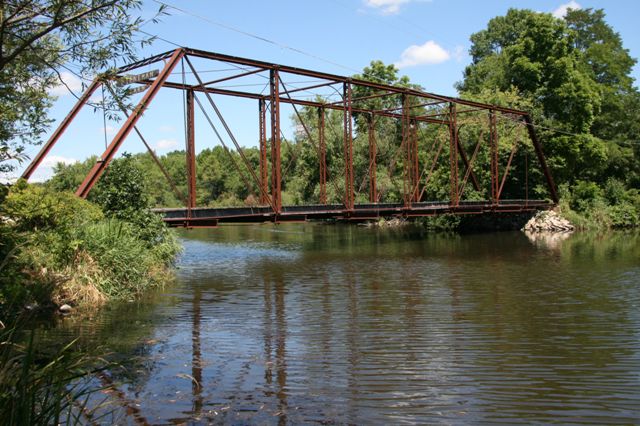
point(165, 144)
point(44, 171)
point(167, 129)
point(386, 7)
point(72, 82)
point(561, 11)
point(428, 53)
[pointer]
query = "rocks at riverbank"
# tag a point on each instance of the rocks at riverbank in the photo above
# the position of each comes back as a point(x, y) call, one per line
point(548, 221)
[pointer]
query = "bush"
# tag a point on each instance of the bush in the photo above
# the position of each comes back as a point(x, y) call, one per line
point(129, 264)
point(623, 216)
point(445, 222)
point(585, 195)
point(121, 190)
point(57, 248)
point(32, 207)
point(587, 206)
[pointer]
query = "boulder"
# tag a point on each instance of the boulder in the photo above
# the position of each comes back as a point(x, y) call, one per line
point(548, 221)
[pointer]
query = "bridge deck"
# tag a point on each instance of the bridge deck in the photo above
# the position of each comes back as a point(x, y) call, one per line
point(210, 216)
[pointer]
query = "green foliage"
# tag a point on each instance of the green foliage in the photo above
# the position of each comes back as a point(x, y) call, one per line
point(574, 75)
point(585, 195)
point(34, 208)
point(121, 190)
point(589, 206)
point(58, 248)
point(130, 264)
point(68, 177)
point(38, 233)
point(535, 53)
point(447, 222)
point(42, 40)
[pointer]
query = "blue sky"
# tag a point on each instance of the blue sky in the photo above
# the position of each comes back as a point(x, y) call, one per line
point(427, 39)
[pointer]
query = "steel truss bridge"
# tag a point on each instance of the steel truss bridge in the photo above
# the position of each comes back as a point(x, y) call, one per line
point(419, 160)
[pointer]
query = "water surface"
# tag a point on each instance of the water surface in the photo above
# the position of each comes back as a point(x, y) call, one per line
point(341, 324)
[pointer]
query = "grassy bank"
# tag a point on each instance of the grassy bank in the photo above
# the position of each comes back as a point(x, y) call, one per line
point(56, 248)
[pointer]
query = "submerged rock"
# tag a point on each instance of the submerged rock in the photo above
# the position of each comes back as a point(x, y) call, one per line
point(548, 221)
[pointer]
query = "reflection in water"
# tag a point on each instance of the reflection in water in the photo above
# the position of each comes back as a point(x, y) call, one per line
point(196, 360)
point(273, 282)
point(342, 324)
point(550, 240)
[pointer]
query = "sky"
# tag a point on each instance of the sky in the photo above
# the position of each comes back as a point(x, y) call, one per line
point(428, 40)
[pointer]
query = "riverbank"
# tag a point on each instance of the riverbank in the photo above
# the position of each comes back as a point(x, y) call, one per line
point(57, 250)
point(561, 219)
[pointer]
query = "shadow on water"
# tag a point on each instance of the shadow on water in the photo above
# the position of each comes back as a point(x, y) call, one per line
point(314, 323)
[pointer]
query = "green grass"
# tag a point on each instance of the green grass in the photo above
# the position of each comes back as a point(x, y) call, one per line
point(40, 387)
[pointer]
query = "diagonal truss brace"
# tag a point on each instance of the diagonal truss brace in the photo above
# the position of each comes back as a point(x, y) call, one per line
point(84, 98)
point(129, 124)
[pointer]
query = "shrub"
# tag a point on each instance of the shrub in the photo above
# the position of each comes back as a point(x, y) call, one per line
point(121, 190)
point(32, 207)
point(129, 265)
point(56, 247)
point(585, 195)
point(623, 216)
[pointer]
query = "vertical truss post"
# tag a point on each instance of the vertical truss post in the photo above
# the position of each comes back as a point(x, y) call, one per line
point(373, 189)
point(543, 163)
point(264, 174)
point(276, 182)
point(323, 156)
point(410, 143)
point(191, 150)
point(348, 147)
point(404, 145)
point(495, 178)
point(95, 84)
point(415, 168)
point(129, 124)
point(453, 155)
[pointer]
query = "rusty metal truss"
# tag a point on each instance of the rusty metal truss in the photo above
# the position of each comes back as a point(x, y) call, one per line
point(418, 161)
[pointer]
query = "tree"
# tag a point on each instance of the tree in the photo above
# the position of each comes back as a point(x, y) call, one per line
point(539, 57)
point(575, 76)
point(40, 42)
point(536, 54)
point(610, 66)
point(121, 190)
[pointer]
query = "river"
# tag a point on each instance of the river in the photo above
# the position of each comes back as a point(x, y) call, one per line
point(312, 323)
